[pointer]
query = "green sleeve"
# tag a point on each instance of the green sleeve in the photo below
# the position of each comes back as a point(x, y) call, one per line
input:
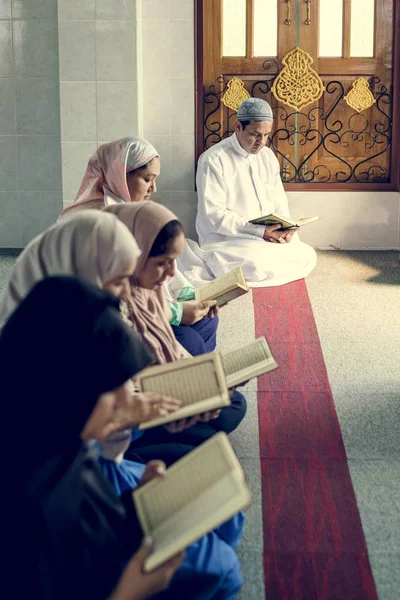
point(187, 293)
point(177, 311)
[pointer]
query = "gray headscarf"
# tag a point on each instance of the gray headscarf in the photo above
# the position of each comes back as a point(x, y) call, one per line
point(89, 244)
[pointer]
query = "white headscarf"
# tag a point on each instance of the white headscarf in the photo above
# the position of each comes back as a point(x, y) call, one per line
point(90, 244)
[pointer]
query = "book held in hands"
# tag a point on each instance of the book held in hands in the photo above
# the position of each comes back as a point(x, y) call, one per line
point(202, 383)
point(249, 361)
point(199, 383)
point(198, 493)
point(225, 288)
point(284, 222)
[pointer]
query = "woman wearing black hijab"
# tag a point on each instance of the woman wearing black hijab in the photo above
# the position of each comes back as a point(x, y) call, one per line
point(68, 535)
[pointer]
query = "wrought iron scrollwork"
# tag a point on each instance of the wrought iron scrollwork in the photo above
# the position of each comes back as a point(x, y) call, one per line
point(213, 97)
point(318, 137)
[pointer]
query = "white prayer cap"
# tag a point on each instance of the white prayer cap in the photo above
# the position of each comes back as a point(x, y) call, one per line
point(255, 109)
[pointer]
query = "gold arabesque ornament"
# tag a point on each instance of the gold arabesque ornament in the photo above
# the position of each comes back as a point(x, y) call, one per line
point(297, 85)
point(235, 94)
point(360, 96)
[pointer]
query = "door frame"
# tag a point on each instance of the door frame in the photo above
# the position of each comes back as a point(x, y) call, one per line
point(394, 184)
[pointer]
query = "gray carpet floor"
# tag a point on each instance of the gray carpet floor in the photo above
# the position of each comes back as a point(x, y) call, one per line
point(356, 302)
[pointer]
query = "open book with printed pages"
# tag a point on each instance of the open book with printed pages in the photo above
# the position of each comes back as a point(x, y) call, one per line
point(224, 288)
point(199, 383)
point(198, 493)
point(283, 221)
point(249, 361)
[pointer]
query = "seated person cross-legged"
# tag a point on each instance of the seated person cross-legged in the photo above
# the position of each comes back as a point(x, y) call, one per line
point(126, 170)
point(238, 180)
point(75, 537)
point(160, 237)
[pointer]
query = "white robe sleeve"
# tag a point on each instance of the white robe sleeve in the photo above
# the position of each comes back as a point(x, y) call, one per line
point(212, 197)
point(176, 286)
point(278, 193)
point(178, 290)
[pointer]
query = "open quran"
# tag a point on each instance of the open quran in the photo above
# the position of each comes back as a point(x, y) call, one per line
point(249, 361)
point(225, 288)
point(197, 494)
point(284, 222)
point(199, 383)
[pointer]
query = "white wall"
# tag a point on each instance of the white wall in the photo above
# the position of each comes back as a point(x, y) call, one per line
point(349, 220)
point(127, 68)
point(168, 100)
point(30, 149)
point(98, 80)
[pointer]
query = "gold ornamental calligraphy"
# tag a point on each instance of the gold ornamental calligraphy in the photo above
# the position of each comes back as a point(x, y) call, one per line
point(297, 85)
point(360, 96)
point(235, 94)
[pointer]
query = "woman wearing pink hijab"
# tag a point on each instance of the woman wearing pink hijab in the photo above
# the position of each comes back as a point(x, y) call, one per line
point(122, 171)
point(126, 171)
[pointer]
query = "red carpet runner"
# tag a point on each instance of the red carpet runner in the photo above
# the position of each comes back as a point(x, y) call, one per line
point(314, 546)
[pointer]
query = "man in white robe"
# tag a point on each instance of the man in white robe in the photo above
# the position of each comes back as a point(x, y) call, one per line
point(238, 180)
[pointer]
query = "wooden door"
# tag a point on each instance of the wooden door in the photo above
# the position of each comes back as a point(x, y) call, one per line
point(328, 143)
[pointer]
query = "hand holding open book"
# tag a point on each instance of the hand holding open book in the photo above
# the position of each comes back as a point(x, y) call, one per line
point(134, 576)
point(201, 384)
point(144, 407)
point(285, 222)
point(197, 494)
point(225, 288)
point(193, 311)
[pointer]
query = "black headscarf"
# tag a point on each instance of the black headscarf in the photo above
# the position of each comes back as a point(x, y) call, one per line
point(60, 350)
point(63, 346)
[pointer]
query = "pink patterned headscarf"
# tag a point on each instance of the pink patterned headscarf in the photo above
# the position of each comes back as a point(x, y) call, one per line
point(107, 169)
